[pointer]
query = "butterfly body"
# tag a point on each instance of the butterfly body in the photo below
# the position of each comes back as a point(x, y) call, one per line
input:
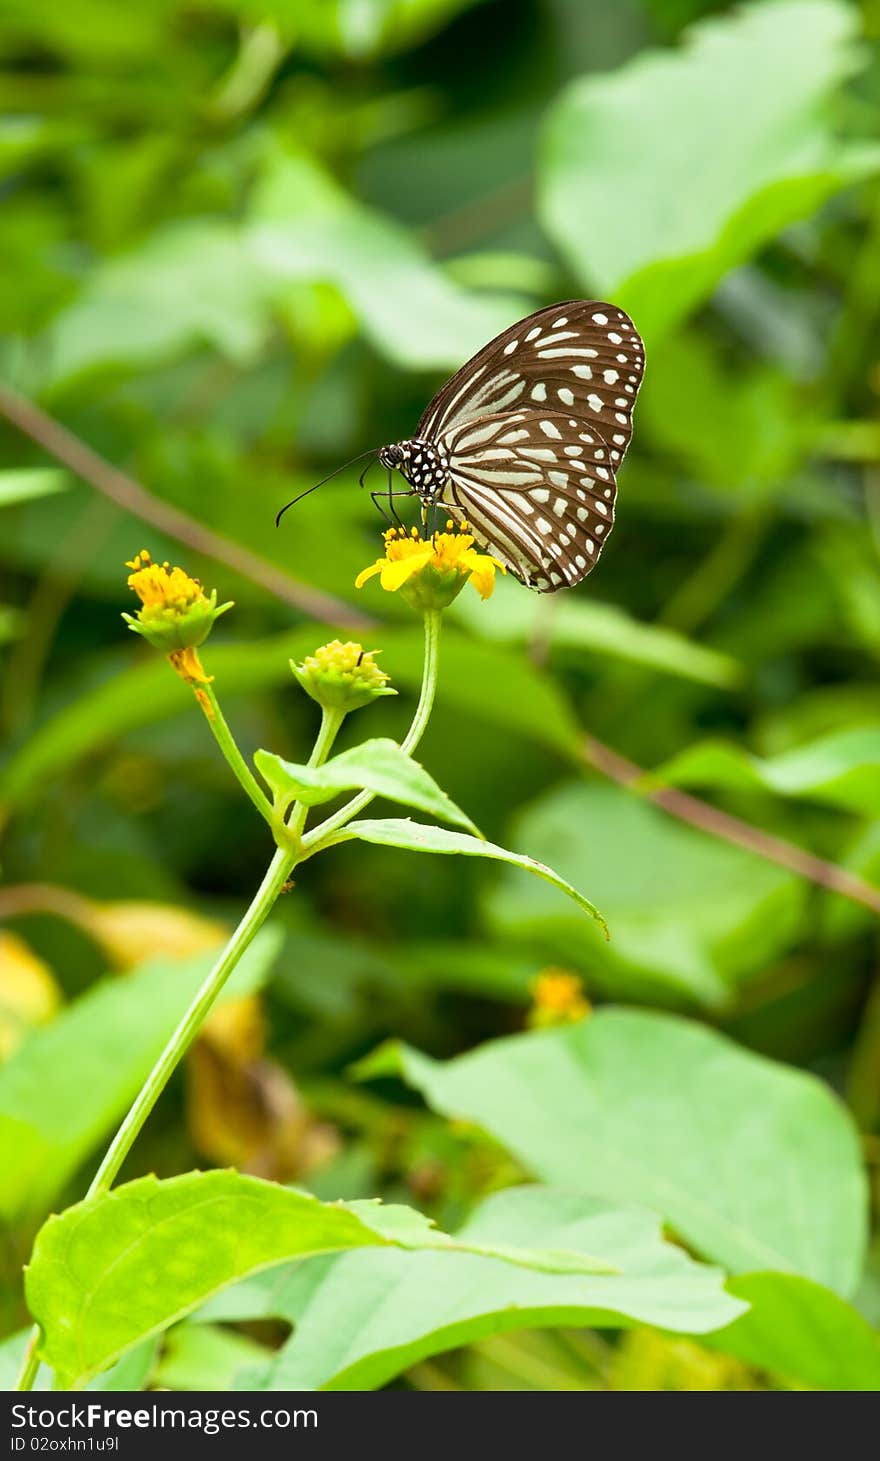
point(525, 441)
point(424, 465)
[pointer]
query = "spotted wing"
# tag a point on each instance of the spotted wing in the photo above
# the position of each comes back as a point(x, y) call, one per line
point(583, 357)
point(538, 489)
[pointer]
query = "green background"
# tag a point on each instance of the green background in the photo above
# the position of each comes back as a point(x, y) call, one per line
point(244, 241)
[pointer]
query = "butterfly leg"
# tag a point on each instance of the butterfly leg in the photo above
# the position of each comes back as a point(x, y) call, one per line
point(379, 498)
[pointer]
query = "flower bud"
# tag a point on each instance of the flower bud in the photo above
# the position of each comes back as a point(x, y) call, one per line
point(342, 677)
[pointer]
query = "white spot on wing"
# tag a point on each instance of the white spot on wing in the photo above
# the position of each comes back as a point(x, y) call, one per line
point(572, 350)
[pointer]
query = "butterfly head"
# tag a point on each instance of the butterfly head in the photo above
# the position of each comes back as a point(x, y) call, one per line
point(391, 456)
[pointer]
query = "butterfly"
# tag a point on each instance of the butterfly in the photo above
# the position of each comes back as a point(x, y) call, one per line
point(525, 441)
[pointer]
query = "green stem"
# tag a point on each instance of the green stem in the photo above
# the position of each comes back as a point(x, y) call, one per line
point(225, 740)
point(315, 839)
point(331, 722)
point(278, 872)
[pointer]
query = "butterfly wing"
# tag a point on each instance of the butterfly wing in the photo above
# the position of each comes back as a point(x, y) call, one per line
point(582, 358)
point(538, 489)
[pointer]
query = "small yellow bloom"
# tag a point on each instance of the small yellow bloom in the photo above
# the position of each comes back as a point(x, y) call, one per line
point(432, 571)
point(160, 585)
point(558, 999)
point(175, 615)
point(342, 676)
point(29, 994)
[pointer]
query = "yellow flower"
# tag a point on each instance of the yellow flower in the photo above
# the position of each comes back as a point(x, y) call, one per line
point(558, 999)
point(432, 571)
point(342, 676)
point(175, 614)
point(29, 994)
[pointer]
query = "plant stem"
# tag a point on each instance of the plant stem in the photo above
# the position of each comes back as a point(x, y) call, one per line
point(331, 722)
point(433, 620)
point(226, 741)
point(278, 872)
point(314, 840)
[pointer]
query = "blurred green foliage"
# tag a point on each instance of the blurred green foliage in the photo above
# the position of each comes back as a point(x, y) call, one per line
point(245, 240)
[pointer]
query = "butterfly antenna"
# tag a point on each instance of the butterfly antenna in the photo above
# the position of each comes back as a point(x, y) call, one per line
point(294, 500)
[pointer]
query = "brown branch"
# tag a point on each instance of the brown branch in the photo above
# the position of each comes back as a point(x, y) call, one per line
point(25, 898)
point(731, 829)
point(130, 495)
point(124, 490)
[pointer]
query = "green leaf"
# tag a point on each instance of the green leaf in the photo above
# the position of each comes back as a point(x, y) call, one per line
point(417, 837)
point(738, 428)
point(801, 1331)
point(740, 147)
point(305, 229)
point(70, 1082)
point(756, 1166)
point(193, 1235)
point(379, 766)
point(346, 1339)
point(24, 484)
point(842, 769)
point(511, 616)
point(191, 284)
point(204, 1357)
point(692, 917)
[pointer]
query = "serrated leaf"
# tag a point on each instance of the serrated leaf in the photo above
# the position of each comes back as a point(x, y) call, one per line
point(378, 765)
point(115, 1269)
point(484, 680)
point(361, 1318)
point(417, 837)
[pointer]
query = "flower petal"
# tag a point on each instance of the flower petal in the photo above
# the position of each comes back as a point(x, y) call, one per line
point(370, 572)
point(395, 574)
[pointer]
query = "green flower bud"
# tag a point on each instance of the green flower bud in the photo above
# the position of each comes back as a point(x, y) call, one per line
point(342, 676)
